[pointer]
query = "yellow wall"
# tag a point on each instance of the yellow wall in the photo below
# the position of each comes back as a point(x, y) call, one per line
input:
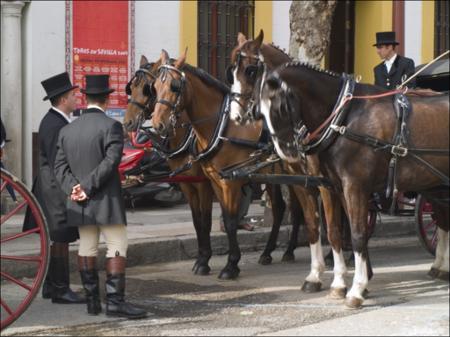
point(370, 17)
point(427, 31)
point(263, 19)
point(188, 30)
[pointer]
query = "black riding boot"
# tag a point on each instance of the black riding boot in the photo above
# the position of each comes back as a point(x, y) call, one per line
point(89, 278)
point(115, 291)
point(47, 287)
point(59, 276)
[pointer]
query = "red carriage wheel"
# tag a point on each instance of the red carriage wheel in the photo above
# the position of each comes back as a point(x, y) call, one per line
point(426, 225)
point(18, 291)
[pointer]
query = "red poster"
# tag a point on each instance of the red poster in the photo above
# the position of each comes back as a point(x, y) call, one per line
point(100, 46)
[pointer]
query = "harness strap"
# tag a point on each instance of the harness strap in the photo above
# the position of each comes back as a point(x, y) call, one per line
point(379, 144)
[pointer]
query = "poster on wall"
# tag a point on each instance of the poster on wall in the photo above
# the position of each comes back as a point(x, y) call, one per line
point(98, 34)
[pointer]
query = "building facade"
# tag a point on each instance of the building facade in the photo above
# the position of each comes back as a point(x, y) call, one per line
point(37, 41)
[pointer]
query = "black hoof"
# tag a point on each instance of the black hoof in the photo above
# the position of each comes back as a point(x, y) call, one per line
point(288, 257)
point(265, 260)
point(229, 273)
point(443, 275)
point(433, 273)
point(311, 287)
point(200, 268)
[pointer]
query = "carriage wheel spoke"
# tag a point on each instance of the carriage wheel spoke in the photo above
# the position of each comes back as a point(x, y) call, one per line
point(36, 258)
point(434, 238)
point(19, 235)
point(14, 280)
point(14, 211)
point(430, 225)
point(7, 308)
point(3, 185)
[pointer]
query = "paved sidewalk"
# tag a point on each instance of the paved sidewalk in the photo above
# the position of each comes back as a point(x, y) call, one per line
point(164, 234)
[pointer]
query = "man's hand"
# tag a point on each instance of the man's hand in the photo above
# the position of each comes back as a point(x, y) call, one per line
point(78, 194)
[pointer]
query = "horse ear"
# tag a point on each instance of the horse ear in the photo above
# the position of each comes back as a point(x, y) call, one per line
point(259, 39)
point(241, 39)
point(182, 59)
point(143, 61)
point(164, 56)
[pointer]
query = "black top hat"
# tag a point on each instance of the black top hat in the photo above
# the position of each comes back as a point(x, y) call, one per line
point(385, 38)
point(57, 85)
point(96, 85)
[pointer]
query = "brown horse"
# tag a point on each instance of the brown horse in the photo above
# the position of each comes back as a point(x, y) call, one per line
point(206, 101)
point(358, 136)
point(198, 194)
point(141, 104)
point(251, 61)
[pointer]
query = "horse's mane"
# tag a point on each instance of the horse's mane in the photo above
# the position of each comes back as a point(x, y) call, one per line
point(298, 64)
point(207, 78)
point(282, 50)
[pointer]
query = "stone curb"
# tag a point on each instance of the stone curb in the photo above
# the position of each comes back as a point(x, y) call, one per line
point(183, 247)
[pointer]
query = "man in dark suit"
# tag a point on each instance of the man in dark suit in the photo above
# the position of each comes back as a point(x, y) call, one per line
point(87, 160)
point(395, 68)
point(61, 94)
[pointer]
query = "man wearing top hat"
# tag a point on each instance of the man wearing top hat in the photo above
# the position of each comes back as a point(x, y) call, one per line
point(395, 68)
point(61, 94)
point(87, 160)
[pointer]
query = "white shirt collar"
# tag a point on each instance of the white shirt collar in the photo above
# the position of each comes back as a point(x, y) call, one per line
point(93, 106)
point(389, 62)
point(62, 113)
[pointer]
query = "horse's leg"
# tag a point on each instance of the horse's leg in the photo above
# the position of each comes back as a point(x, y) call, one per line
point(278, 208)
point(308, 201)
point(357, 207)
point(440, 267)
point(229, 194)
point(332, 209)
point(201, 264)
point(204, 192)
point(296, 218)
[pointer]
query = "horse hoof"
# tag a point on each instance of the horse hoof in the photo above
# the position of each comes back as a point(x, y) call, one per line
point(433, 273)
point(337, 293)
point(443, 275)
point(353, 302)
point(229, 274)
point(288, 257)
point(311, 287)
point(265, 260)
point(201, 269)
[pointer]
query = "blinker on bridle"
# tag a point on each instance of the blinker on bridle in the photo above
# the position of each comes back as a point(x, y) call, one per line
point(145, 107)
point(176, 86)
point(250, 72)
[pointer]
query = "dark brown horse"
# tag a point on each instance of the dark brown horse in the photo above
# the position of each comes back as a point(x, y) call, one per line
point(251, 62)
point(355, 147)
point(205, 100)
point(141, 104)
point(198, 194)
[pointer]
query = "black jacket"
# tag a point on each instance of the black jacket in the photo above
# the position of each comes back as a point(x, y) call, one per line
point(89, 153)
point(401, 66)
point(45, 187)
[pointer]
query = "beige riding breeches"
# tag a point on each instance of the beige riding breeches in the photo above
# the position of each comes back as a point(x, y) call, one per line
point(115, 238)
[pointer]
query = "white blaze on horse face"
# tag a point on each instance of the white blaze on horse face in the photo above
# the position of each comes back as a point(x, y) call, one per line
point(339, 270)
point(236, 112)
point(265, 111)
point(360, 280)
point(317, 263)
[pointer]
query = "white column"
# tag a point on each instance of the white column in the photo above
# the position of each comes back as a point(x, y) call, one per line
point(11, 82)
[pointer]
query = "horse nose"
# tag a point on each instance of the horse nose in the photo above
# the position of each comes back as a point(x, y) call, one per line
point(160, 128)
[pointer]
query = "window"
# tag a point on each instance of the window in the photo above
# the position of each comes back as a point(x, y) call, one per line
point(218, 25)
point(441, 28)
